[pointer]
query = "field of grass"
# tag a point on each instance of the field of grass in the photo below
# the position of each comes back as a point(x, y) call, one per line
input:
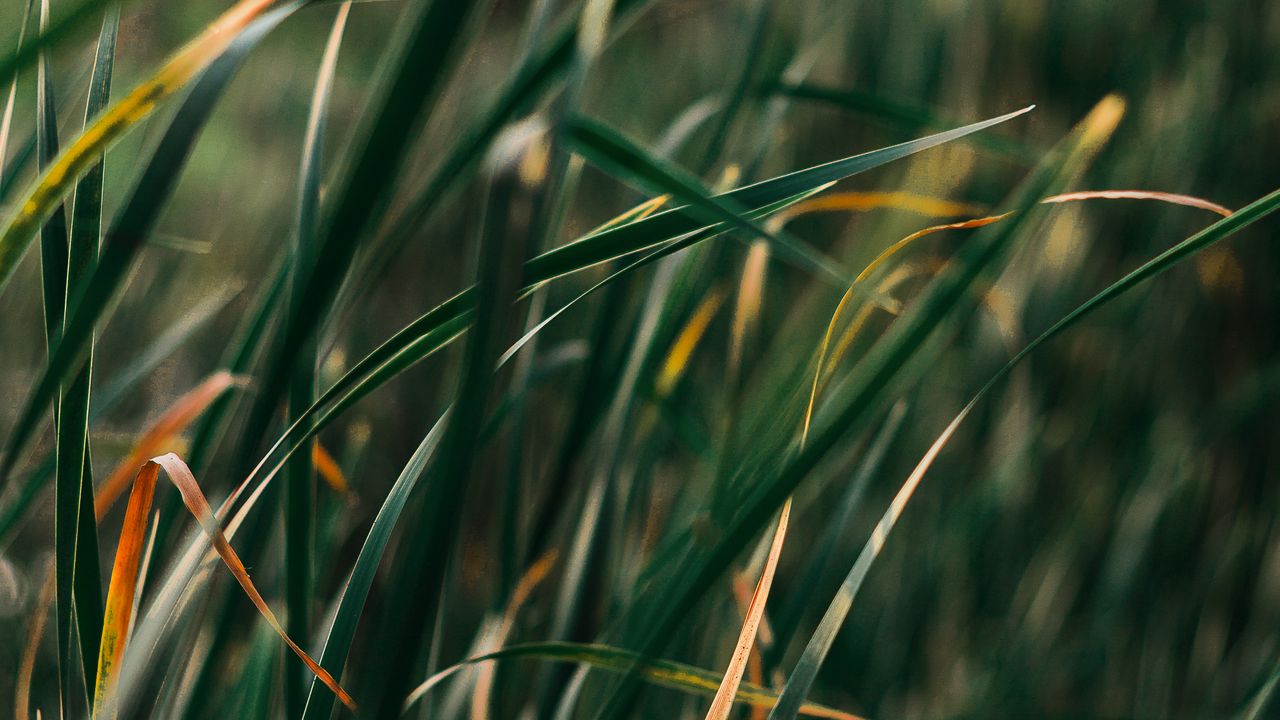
point(639, 358)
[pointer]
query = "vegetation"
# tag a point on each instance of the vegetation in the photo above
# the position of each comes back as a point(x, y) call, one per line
point(638, 358)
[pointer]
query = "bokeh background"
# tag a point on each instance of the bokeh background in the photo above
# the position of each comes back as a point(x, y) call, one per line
point(1102, 539)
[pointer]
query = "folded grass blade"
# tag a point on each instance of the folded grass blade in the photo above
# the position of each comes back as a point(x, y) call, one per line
point(120, 598)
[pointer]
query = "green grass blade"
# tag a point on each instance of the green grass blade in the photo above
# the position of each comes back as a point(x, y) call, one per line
point(430, 542)
point(337, 642)
point(618, 156)
point(299, 496)
point(590, 251)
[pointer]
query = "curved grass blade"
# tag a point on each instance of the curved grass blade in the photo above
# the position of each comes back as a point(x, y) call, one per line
point(115, 632)
point(666, 673)
point(351, 605)
point(590, 251)
point(815, 652)
point(128, 233)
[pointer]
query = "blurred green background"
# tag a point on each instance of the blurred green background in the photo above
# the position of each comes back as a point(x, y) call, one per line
point(1102, 539)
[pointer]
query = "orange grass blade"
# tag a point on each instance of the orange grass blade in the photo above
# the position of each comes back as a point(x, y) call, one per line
point(124, 582)
point(60, 176)
point(524, 588)
point(124, 574)
point(722, 704)
point(329, 470)
point(182, 413)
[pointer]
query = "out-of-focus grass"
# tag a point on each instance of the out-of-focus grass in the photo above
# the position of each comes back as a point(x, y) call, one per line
point(1097, 539)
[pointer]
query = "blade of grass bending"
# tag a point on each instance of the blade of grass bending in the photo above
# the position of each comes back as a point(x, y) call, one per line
point(445, 324)
point(820, 643)
point(618, 156)
point(351, 605)
point(180, 414)
point(43, 198)
point(131, 227)
point(596, 249)
point(666, 673)
point(645, 233)
point(651, 626)
point(298, 499)
point(114, 632)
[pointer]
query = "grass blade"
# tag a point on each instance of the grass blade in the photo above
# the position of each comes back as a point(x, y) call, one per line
point(299, 496)
point(180, 475)
point(666, 673)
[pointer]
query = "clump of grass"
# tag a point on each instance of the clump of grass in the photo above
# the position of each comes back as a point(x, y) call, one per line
point(620, 431)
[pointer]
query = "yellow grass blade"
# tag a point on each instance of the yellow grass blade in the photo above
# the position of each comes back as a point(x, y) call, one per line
point(866, 201)
point(58, 179)
point(682, 349)
point(123, 576)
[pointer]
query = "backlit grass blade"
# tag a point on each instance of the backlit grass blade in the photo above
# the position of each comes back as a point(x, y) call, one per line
point(665, 673)
point(72, 441)
point(116, 629)
point(722, 704)
point(180, 414)
point(445, 321)
point(815, 652)
point(132, 224)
